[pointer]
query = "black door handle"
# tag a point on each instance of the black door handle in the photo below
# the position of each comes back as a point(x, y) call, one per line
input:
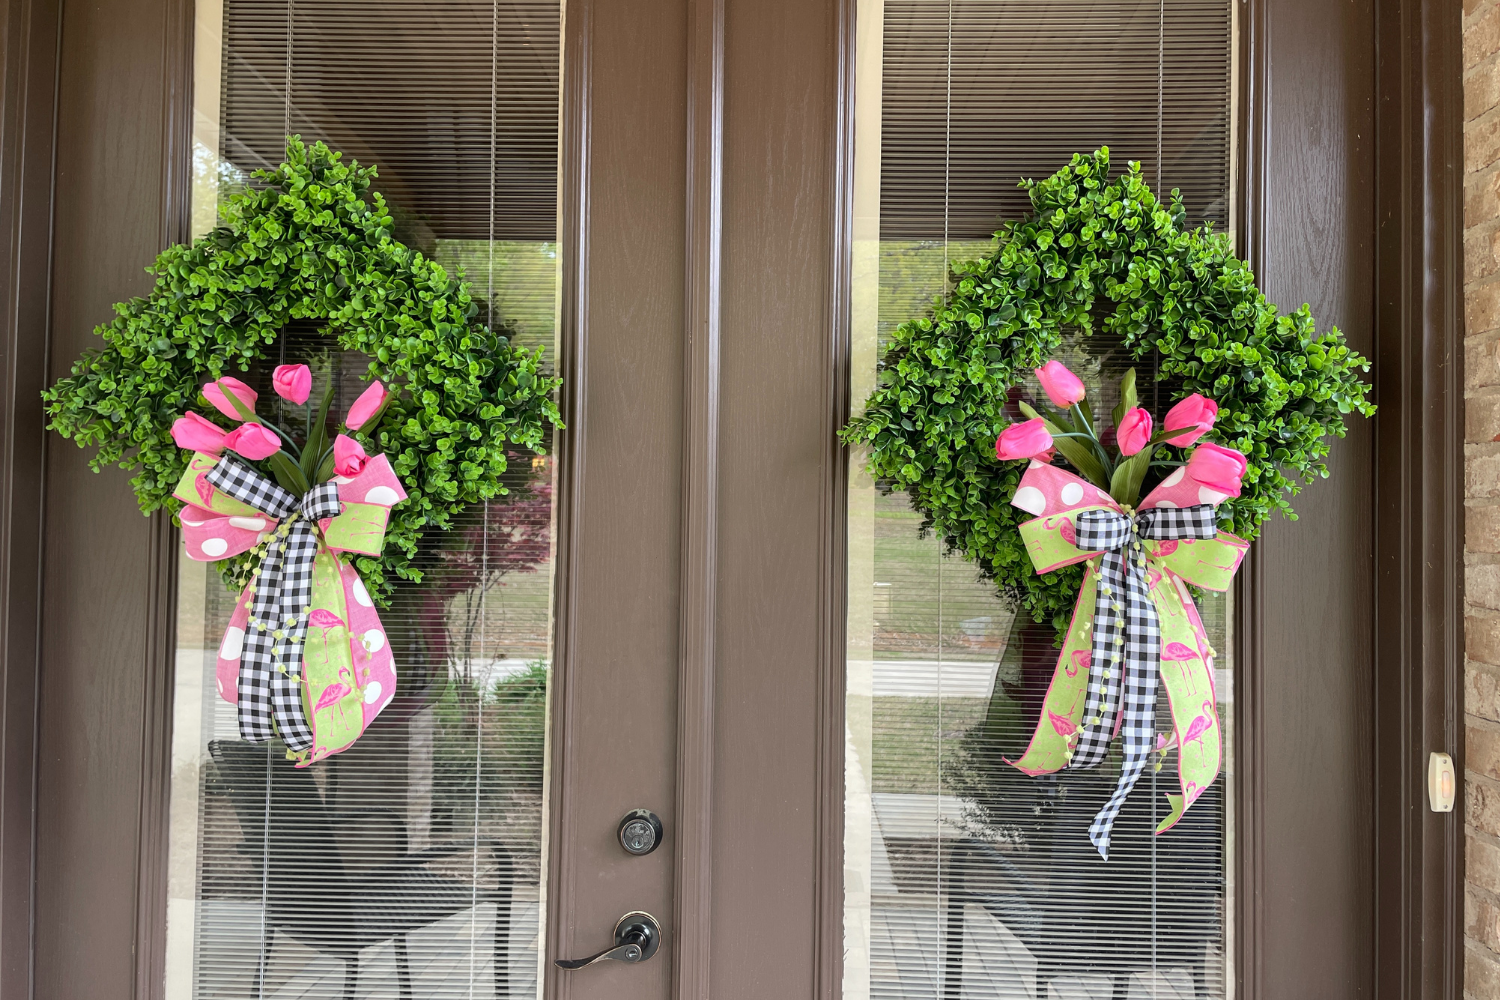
point(637, 936)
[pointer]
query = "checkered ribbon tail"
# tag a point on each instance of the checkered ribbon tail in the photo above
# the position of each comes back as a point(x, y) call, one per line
point(1127, 642)
point(270, 686)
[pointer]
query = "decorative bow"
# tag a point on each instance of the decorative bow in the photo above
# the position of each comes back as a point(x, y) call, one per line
point(270, 680)
point(322, 687)
point(1134, 622)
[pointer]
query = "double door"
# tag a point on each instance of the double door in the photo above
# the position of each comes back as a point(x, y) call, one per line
point(694, 605)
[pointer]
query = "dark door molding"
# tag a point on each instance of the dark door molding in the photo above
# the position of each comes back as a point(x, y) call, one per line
point(28, 110)
point(1419, 509)
point(1397, 126)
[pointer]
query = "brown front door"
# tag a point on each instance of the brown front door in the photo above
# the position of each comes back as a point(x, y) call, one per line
point(708, 212)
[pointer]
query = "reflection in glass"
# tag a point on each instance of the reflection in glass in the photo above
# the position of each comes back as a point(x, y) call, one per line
point(410, 864)
point(964, 878)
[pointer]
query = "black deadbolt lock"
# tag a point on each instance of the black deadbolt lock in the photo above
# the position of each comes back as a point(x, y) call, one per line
point(640, 832)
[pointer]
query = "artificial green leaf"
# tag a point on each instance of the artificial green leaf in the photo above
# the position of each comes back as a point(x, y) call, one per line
point(1125, 486)
point(1127, 396)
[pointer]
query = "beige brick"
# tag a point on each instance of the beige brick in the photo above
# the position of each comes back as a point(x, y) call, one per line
point(1482, 585)
point(1482, 637)
point(1481, 974)
point(1482, 308)
point(1483, 863)
point(1481, 36)
point(1482, 805)
point(1481, 919)
point(1481, 362)
point(1470, 6)
point(1482, 418)
point(1482, 528)
point(1482, 751)
point(1481, 473)
point(1481, 143)
point(1482, 693)
point(1482, 88)
point(1481, 253)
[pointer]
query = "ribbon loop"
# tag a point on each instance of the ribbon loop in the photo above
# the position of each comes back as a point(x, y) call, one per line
point(270, 680)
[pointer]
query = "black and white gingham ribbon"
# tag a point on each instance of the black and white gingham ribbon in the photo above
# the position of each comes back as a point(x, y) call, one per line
point(270, 682)
point(1127, 642)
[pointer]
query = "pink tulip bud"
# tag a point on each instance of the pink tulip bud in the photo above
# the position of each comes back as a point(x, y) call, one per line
point(1195, 416)
point(1061, 386)
point(1027, 439)
point(192, 432)
point(1221, 470)
point(292, 382)
point(214, 392)
point(254, 441)
point(348, 457)
point(366, 406)
point(1134, 432)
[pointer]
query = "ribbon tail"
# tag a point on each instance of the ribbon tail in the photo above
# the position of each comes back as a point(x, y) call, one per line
point(1139, 703)
point(1062, 708)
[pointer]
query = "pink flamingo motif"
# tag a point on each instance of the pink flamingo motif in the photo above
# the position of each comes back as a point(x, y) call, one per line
point(324, 620)
point(1202, 724)
point(1081, 658)
point(331, 695)
point(1063, 726)
point(1177, 651)
point(204, 487)
point(1063, 527)
point(1165, 548)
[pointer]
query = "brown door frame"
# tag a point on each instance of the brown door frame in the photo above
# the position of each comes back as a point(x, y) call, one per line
point(1416, 894)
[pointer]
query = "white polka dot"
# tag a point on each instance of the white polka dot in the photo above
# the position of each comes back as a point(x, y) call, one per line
point(1072, 493)
point(383, 495)
point(374, 640)
point(214, 546)
point(191, 523)
point(372, 692)
point(234, 642)
point(1165, 503)
point(220, 685)
point(341, 480)
point(361, 594)
point(1206, 495)
point(1175, 477)
point(1029, 498)
point(248, 523)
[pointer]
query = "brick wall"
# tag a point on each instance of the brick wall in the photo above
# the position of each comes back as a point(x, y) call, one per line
point(1481, 25)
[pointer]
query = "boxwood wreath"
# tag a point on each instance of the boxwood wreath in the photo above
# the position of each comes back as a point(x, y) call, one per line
point(1098, 254)
point(310, 242)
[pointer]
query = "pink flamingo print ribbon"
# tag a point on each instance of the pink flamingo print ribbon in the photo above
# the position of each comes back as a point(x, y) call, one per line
point(1134, 623)
point(304, 656)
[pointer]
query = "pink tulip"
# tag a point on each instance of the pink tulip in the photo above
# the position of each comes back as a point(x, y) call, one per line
point(1195, 416)
point(1027, 439)
point(292, 382)
point(214, 392)
point(1134, 432)
point(348, 457)
point(1220, 469)
point(1061, 386)
point(365, 407)
point(192, 432)
point(254, 441)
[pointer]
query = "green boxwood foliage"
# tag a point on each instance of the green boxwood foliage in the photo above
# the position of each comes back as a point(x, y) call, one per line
point(1097, 254)
point(310, 242)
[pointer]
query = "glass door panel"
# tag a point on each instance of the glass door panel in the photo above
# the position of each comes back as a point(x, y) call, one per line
point(411, 864)
point(964, 877)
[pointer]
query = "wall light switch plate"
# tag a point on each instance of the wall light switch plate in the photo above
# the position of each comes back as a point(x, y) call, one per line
point(1441, 782)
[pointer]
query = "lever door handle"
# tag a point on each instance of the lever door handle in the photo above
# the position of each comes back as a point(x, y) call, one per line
point(637, 936)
